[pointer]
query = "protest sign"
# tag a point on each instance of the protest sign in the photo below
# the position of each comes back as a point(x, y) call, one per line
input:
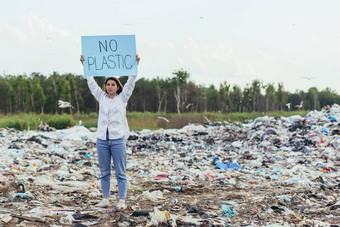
point(110, 55)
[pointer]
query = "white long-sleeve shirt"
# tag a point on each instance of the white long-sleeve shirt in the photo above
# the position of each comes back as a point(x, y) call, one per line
point(112, 112)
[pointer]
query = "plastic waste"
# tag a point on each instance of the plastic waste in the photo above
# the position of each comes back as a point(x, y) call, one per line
point(26, 195)
point(153, 196)
point(178, 189)
point(293, 172)
point(67, 220)
point(157, 217)
point(227, 211)
point(229, 165)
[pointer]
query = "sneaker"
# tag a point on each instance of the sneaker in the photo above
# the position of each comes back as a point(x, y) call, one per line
point(103, 203)
point(121, 204)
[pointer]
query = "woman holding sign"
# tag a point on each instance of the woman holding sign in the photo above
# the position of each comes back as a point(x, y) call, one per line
point(112, 132)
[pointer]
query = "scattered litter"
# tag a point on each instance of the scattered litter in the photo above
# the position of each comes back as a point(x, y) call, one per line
point(281, 171)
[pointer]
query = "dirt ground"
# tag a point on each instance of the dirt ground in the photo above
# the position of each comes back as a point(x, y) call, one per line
point(193, 205)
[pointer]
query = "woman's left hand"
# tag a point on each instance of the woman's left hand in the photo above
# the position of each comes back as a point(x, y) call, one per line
point(137, 58)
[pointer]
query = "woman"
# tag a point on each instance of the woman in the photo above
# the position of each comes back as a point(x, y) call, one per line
point(112, 131)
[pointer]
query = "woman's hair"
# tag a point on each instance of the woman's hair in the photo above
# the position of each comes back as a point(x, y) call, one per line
point(119, 84)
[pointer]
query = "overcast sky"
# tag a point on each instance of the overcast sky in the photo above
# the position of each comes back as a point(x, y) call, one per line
point(296, 42)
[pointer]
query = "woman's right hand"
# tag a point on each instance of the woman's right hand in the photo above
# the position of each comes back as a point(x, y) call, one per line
point(82, 59)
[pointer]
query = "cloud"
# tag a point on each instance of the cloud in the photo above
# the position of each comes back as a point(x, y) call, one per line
point(18, 33)
point(169, 45)
point(220, 51)
point(35, 29)
point(34, 44)
point(191, 44)
point(213, 59)
point(41, 26)
point(244, 67)
point(218, 58)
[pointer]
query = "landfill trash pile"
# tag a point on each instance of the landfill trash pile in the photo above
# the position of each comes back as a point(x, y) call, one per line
point(271, 170)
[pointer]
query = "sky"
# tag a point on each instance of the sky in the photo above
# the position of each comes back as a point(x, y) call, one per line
point(294, 42)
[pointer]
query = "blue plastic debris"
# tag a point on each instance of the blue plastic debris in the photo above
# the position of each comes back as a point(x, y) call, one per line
point(227, 211)
point(57, 149)
point(229, 165)
point(220, 165)
point(87, 156)
point(332, 117)
point(215, 160)
point(20, 196)
point(178, 189)
point(273, 177)
point(262, 171)
point(325, 130)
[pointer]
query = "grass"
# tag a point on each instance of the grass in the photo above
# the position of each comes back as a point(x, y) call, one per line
point(32, 121)
point(137, 120)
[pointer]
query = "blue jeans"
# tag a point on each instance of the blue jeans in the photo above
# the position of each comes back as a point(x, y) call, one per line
point(117, 150)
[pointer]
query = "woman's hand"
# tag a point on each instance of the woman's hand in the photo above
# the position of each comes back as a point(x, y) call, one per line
point(137, 58)
point(82, 59)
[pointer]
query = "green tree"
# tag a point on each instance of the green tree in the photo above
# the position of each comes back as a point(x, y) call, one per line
point(7, 94)
point(255, 91)
point(247, 100)
point(328, 97)
point(270, 96)
point(180, 94)
point(236, 99)
point(311, 101)
point(282, 97)
point(213, 99)
point(22, 87)
point(295, 99)
point(51, 91)
point(159, 87)
point(38, 95)
point(64, 91)
point(225, 103)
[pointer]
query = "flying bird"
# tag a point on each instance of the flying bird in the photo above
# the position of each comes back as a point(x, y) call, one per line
point(308, 78)
point(163, 118)
point(299, 106)
point(188, 105)
point(48, 38)
point(63, 104)
point(288, 105)
point(79, 123)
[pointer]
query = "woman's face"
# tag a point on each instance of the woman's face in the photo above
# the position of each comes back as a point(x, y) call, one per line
point(111, 87)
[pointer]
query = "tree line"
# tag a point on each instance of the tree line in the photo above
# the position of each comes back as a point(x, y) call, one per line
point(40, 94)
